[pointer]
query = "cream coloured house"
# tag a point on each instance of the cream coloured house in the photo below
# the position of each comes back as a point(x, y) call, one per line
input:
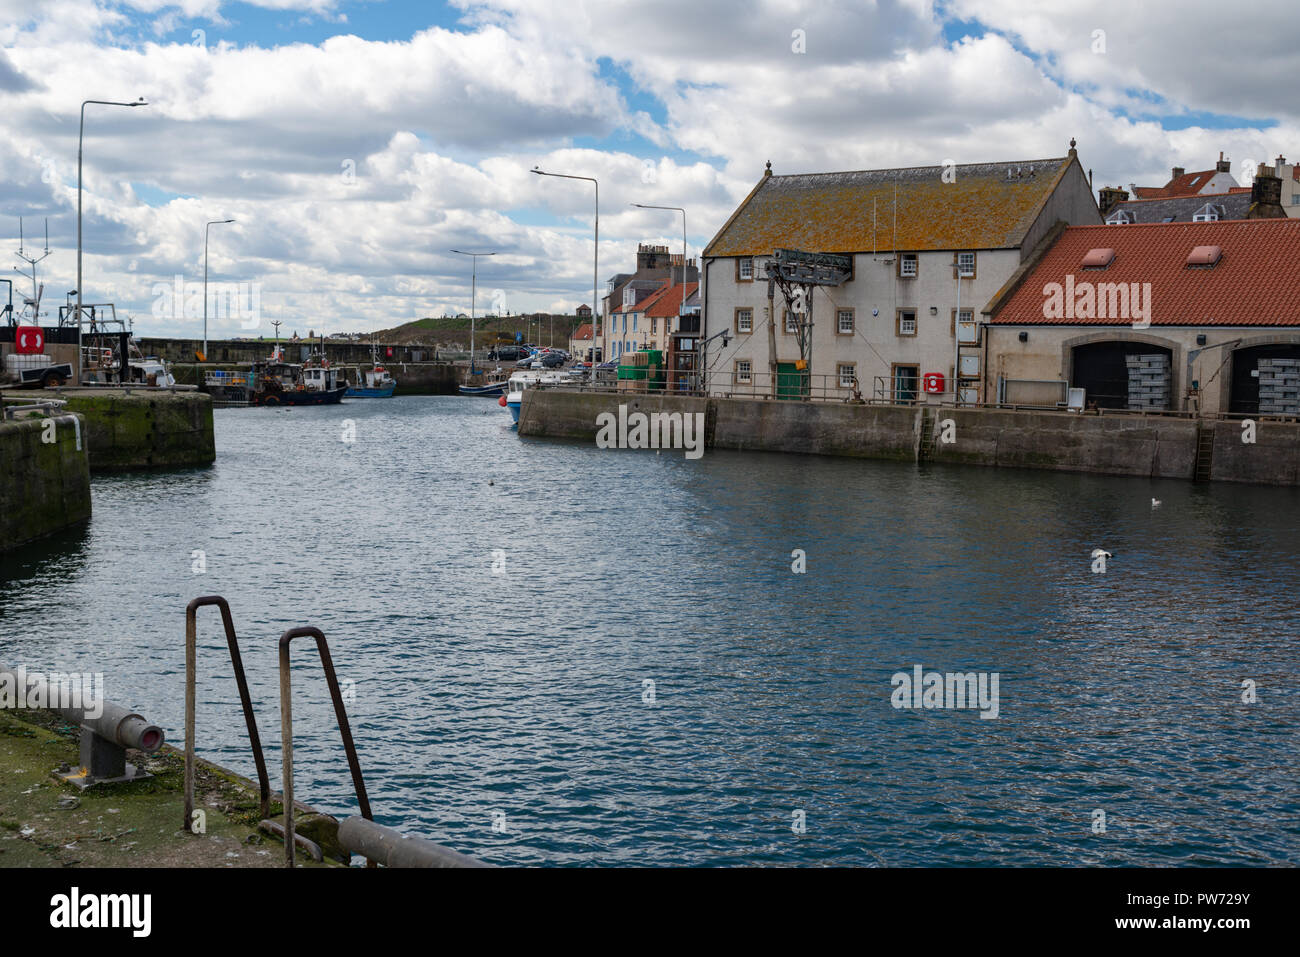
point(927, 249)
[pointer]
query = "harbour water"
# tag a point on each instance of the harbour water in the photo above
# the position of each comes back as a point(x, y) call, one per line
point(506, 712)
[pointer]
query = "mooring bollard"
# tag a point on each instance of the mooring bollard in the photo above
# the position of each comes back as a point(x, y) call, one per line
point(104, 739)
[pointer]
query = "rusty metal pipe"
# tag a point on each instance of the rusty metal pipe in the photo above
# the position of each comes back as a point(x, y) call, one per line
point(392, 848)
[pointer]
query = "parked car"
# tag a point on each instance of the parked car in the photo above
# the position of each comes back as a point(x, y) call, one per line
point(508, 354)
point(552, 360)
point(608, 366)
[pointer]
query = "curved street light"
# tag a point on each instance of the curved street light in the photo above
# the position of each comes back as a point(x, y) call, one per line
point(80, 142)
point(206, 227)
point(595, 272)
point(473, 299)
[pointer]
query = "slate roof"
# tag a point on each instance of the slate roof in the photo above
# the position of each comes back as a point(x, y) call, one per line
point(1253, 283)
point(987, 206)
point(1234, 205)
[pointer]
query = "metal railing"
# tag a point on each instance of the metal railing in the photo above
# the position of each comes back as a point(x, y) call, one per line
point(12, 405)
point(286, 731)
point(191, 670)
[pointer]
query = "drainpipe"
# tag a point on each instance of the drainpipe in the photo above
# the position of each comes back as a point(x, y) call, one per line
point(700, 374)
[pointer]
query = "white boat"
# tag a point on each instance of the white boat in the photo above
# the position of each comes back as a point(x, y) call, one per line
point(520, 381)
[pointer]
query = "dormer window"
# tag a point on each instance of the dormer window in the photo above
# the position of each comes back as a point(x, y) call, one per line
point(1121, 217)
point(1209, 213)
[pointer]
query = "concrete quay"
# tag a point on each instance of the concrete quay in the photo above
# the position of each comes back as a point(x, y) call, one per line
point(1154, 446)
point(138, 428)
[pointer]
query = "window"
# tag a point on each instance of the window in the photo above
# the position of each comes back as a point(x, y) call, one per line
point(634, 318)
point(846, 372)
point(791, 322)
point(745, 269)
point(629, 296)
point(966, 265)
point(964, 327)
point(1119, 218)
point(744, 320)
point(844, 322)
point(907, 266)
point(744, 372)
point(1295, 199)
point(654, 325)
point(906, 322)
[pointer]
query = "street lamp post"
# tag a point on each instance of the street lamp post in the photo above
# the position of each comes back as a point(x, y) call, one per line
point(206, 228)
point(81, 136)
point(595, 260)
point(473, 299)
point(670, 271)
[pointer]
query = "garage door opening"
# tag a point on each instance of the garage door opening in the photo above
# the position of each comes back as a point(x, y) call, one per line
point(1267, 373)
point(1114, 377)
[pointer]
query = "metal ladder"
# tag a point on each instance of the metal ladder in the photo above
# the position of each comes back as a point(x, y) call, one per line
point(1204, 453)
point(926, 443)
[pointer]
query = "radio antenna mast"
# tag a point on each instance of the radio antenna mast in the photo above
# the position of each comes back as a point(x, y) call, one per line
point(35, 302)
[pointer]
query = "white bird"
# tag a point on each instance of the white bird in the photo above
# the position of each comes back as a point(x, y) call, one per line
point(1101, 553)
point(1155, 503)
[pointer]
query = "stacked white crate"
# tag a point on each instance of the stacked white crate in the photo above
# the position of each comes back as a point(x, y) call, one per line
point(1149, 381)
point(1279, 386)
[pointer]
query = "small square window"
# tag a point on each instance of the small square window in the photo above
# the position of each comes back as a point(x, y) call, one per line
point(791, 322)
point(966, 265)
point(907, 265)
point(844, 322)
point(846, 373)
point(744, 371)
point(744, 320)
point(745, 269)
point(906, 322)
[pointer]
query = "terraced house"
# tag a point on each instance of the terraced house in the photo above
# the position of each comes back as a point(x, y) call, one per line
point(924, 250)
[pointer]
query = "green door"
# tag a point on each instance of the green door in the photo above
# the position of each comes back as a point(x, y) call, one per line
point(790, 382)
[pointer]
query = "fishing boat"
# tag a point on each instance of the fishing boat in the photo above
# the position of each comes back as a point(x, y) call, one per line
point(520, 381)
point(379, 384)
point(489, 389)
point(495, 385)
point(287, 383)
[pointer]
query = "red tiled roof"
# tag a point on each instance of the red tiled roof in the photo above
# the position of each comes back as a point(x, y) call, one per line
point(1189, 184)
point(583, 331)
point(669, 301)
point(1253, 284)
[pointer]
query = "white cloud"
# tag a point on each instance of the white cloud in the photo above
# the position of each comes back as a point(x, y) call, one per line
point(352, 166)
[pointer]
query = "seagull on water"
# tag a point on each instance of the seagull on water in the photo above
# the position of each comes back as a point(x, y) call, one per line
point(1101, 553)
point(1155, 503)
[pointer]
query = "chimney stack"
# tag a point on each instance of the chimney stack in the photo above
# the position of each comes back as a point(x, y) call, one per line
point(1178, 171)
point(1266, 195)
point(1223, 165)
point(1109, 196)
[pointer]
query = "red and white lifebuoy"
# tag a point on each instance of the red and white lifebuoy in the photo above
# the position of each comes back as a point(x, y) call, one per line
point(29, 341)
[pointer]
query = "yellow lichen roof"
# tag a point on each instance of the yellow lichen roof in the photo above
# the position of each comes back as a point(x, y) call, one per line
point(987, 206)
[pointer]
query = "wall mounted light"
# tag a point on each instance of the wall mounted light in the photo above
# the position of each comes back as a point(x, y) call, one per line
point(1200, 340)
point(934, 310)
point(1024, 337)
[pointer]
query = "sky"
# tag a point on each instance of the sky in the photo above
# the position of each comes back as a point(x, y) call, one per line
point(356, 142)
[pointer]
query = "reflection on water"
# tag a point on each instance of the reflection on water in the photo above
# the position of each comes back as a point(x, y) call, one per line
point(525, 693)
